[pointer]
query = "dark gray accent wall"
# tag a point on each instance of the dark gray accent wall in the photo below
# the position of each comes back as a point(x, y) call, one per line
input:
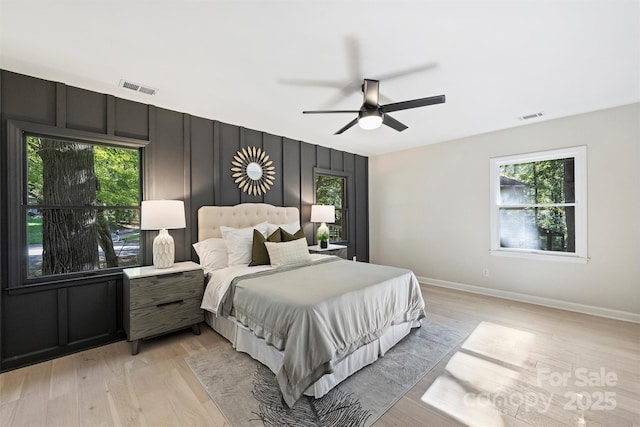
point(187, 158)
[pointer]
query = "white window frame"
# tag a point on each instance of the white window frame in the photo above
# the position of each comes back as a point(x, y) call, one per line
point(579, 154)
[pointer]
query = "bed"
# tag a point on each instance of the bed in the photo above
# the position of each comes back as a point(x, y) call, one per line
point(312, 319)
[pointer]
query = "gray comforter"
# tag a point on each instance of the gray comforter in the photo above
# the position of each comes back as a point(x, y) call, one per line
point(321, 312)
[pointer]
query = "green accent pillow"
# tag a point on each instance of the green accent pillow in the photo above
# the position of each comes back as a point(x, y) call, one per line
point(287, 237)
point(259, 254)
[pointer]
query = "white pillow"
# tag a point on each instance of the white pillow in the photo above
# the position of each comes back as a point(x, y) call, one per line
point(287, 253)
point(212, 253)
point(290, 228)
point(239, 242)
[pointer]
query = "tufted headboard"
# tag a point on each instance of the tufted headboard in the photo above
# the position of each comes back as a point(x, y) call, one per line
point(210, 218)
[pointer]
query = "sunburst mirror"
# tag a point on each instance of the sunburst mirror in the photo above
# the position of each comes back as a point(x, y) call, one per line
point(253, 171)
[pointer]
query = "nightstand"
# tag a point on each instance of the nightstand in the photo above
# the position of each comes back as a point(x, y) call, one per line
point(157, 301)
point(338, 250)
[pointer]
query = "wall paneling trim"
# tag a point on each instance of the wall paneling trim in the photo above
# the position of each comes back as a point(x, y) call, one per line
point(186, 158)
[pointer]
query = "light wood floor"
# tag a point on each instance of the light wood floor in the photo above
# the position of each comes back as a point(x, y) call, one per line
point(520, 366)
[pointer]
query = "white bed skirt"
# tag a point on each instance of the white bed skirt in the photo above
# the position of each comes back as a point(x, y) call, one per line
point(245, 341)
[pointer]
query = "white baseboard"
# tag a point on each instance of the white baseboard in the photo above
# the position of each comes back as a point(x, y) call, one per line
point(531, 299)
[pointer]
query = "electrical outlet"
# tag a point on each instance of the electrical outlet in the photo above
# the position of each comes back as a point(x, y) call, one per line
point(485, 272)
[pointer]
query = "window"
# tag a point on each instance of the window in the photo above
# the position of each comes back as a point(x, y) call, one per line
point(539, 204)
point(78, 204)
point(332, 190)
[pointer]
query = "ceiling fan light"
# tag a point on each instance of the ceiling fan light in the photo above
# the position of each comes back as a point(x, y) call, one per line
point(370, 121)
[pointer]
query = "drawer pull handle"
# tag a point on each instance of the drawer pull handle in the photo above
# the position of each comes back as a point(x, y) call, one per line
point(164, 304)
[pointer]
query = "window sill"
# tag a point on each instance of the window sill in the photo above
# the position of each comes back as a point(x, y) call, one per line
point(575, 259)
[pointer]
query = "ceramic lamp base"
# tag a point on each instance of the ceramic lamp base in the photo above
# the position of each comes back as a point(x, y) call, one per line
point(163, 250)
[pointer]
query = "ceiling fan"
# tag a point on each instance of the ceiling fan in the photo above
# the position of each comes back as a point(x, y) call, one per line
point(371, 115)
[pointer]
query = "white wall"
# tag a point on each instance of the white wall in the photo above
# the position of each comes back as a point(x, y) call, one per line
point(429, 211)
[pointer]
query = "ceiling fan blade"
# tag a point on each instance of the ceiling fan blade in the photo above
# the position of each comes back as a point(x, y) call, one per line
point(406, 71)
point(371, 92)
point(330, 111)
point(343, 89)
point(393, 123)
point(346, 87)
point(385, 99)
point(311, 82)
point(354, 57)
point(347, 126)
point(415, 103)
point(354, 66)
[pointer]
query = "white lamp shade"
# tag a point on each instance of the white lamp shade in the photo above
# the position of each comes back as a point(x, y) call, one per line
point(162, 214)
point(323, 213)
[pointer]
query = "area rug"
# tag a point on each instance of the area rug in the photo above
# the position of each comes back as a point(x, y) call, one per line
point(247, 392)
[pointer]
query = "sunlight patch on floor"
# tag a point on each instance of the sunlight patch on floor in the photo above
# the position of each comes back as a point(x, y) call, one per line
point(451, 397)
point(501, 343)
point(483, 382)
point(479, 374)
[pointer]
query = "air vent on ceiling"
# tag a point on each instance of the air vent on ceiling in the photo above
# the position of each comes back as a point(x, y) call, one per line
point(138, 87)
point(531, 116)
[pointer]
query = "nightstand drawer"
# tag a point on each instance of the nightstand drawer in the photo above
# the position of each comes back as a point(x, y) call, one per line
point(342, 253)
point(163, 317)
point(154, 290)
point(337, 250)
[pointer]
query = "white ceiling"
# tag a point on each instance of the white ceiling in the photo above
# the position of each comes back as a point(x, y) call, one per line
point(251, 63)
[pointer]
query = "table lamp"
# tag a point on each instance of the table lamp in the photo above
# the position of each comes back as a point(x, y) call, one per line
point(162, 215)
point(323, 214)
